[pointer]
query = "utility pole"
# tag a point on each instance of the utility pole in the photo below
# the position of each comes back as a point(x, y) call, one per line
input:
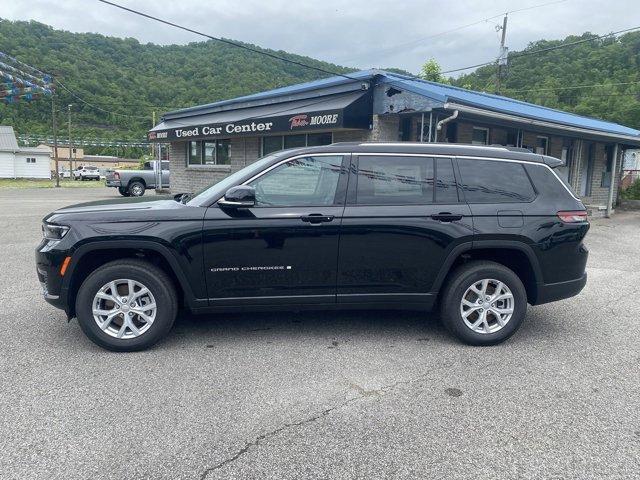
point(502, 58)
point(70, 144)
point(55, 138)
point(153, 124)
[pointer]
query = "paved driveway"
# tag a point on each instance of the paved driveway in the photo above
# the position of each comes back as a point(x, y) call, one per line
point(321, 395)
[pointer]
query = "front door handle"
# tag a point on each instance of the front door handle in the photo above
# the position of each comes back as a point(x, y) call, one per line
point(446, 217)
point(316, 218)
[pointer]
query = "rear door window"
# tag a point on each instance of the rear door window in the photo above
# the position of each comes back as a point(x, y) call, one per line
point(390, 180)
point(491, 181)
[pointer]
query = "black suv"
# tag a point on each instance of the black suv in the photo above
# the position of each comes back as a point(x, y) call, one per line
point(478, 232)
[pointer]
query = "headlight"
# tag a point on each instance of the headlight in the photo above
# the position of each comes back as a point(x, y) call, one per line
point(54, 232)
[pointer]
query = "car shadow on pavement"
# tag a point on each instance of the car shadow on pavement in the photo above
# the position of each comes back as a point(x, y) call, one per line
point(331, 326)
point(398, 325)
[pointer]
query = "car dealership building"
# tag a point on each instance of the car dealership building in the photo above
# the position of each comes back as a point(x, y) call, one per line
point(208, 142)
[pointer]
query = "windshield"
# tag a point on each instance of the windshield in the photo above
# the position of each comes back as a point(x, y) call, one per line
point(216, 190)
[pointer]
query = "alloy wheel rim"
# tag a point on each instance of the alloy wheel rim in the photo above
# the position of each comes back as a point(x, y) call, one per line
point(124, 308)
point(136, 190)
point(487, 306)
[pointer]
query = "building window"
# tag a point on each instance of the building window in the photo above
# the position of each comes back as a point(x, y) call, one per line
point(542, 145)
point(280, 142)
point(31, 160)
point(210, 152)
point(480, 136)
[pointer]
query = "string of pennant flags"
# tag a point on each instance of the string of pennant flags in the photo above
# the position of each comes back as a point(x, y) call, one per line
point(80, 142)
point(22, 82)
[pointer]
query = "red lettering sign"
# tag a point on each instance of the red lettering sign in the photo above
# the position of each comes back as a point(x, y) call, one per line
point(299, 121)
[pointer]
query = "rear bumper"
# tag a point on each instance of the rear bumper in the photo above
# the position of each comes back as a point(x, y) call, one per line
point(550, 292)
point(113, 183)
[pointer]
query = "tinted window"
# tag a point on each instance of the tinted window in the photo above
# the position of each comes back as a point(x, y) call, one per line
point(486, 181)
point(294, 141)
point(446, 190)
point(394, 180)
point(300, 182)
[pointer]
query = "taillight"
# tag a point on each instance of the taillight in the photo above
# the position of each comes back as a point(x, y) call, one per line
point(116, 175)
point(575, 216)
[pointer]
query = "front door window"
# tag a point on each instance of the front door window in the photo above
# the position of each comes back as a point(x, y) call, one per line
point(308, 181)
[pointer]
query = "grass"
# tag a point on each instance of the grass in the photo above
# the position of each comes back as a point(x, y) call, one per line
point(46, 183)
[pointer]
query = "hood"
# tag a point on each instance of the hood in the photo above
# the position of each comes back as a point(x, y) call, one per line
point(117, 209)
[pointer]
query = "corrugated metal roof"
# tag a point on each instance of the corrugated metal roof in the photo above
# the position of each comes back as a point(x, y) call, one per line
point(8, 140)
point(497, 103)
point(442, 93)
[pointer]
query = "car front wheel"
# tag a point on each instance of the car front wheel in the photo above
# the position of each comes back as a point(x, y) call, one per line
point(126, 305)
point(484, 303)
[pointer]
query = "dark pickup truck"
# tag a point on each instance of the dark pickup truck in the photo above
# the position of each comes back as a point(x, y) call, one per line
point(133, 183)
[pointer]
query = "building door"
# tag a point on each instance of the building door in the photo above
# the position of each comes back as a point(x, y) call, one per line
point(402, 218)
point(286, 247)
point(586, 172)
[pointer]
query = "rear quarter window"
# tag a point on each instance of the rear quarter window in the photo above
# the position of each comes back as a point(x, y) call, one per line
point(490, 181)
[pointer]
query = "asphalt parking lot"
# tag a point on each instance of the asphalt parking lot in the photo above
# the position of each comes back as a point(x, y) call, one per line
point(321, 395)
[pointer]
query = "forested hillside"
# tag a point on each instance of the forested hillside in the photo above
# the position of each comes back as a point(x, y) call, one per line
point(125, 81)
point(564, 78)
point(133, 79)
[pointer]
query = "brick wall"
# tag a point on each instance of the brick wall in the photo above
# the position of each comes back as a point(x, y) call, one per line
point(385, 128)
point(351, 136)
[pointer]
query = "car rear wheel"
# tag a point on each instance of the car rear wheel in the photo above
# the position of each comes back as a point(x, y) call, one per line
point(484, 303)
point(136, 189)
point(126, 305)
point(123, 191)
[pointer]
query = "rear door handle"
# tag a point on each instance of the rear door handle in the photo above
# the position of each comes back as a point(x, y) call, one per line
point(446, 217)
point(316, 218)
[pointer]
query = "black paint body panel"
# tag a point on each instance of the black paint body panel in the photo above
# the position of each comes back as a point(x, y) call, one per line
point(364, 256)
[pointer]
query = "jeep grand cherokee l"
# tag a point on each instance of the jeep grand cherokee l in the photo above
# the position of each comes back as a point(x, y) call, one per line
point(476, 232)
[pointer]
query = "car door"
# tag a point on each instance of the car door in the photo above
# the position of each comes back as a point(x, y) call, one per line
point(285, 248)
point(402, 219)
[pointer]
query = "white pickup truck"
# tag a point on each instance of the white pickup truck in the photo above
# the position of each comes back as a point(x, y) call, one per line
point(133, 183)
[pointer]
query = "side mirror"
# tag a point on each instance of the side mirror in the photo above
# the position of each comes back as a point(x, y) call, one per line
point(242, 196)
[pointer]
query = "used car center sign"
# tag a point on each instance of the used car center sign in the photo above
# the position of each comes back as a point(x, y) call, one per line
point(253, 126)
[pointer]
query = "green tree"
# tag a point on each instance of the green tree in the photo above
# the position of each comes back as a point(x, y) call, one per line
point(431, 71)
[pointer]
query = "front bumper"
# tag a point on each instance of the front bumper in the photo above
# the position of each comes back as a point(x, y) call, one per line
point(550, 292)
point(48, 264)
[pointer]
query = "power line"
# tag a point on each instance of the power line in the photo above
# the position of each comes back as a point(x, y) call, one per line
point(78, 97)
point(224, 40)
point(535, 52)
point(452, 30)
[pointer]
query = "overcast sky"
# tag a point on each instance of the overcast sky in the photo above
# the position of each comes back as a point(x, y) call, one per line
point(356, 33)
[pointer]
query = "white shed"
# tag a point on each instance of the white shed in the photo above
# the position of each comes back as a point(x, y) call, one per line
point(21, 162)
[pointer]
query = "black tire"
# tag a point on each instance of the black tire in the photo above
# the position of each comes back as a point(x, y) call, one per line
point(158, 283)
point(123, 191)
point(458, 283)
point(136, 189)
